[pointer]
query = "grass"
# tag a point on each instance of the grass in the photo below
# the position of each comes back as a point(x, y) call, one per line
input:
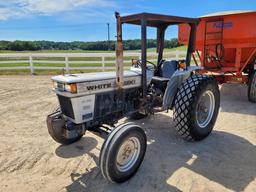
point(93, 63)
point(46, 72)
point(181, 48)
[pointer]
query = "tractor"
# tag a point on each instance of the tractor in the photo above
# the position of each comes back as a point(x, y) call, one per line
point(97, 101)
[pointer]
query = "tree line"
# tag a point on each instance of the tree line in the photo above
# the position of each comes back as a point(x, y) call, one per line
point(79, 45)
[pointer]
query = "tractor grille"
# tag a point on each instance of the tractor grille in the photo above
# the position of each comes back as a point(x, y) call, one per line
point(66, 106)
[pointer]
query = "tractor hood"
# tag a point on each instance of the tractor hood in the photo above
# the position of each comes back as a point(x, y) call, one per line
point(89, 77)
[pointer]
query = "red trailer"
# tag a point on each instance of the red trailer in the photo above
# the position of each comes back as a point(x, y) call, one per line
point(226, 47)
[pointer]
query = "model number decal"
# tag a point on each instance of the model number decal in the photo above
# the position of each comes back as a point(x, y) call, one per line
point(129, 82)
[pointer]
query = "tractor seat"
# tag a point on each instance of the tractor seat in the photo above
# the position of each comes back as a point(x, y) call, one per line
point(166, 71)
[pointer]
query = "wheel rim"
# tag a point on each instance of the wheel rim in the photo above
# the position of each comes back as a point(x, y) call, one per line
point(128, 154)
point(205, 109)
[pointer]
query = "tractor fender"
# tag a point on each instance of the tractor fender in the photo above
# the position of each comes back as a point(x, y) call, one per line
point(174, 83)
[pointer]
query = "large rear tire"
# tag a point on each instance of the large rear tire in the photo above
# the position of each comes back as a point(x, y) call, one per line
point(252, 87)
point(123, 152)
point(196, 107)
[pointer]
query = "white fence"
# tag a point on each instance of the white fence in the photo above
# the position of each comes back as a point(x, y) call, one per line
point(66, 61)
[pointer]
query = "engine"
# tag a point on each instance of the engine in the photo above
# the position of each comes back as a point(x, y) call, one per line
point(93, 98)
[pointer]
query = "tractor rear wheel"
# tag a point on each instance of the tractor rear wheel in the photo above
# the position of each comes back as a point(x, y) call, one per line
point(252, 87)
point(196, 107)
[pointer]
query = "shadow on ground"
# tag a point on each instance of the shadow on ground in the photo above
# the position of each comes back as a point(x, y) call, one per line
point(238, 94)
point(224, 158)
point(83, 146)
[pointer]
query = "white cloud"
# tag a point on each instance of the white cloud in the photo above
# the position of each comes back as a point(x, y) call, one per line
point(6, 13)
point(14, 8)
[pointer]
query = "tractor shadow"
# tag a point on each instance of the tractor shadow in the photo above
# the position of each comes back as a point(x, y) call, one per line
point(224, 158)
point(79, 148)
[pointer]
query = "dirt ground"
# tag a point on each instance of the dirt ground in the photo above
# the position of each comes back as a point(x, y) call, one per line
point(31, 161)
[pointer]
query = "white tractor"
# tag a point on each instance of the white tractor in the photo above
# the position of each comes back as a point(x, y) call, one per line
point(97, 101)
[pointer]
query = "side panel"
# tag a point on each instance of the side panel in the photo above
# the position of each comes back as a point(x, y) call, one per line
point(236, 44)
point(83, 108)
point(239, 30)
point(102, 107)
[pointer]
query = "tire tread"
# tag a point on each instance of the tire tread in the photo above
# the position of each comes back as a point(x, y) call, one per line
point(183, 105)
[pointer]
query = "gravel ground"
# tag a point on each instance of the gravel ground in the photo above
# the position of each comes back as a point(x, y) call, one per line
point(31, 161)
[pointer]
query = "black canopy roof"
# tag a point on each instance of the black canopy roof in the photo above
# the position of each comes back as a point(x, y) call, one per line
point(156, 20)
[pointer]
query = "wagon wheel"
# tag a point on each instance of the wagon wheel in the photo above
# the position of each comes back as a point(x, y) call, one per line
point(252, 88)
point(196, 107)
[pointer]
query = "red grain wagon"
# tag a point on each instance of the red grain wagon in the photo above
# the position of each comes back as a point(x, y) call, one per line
point(226, 47)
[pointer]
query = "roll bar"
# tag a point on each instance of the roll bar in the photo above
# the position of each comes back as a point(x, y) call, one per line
point(161, 22)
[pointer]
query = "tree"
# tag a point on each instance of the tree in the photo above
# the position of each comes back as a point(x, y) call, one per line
point(79, 45)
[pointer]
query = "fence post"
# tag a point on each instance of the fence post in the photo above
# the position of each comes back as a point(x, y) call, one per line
point(177, 55)
point(67, 64)
point(103, 63)
point(31, 66)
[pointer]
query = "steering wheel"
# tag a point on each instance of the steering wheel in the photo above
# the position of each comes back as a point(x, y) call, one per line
point(137, 63)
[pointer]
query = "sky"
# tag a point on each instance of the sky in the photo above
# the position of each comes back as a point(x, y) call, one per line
point(86, 20)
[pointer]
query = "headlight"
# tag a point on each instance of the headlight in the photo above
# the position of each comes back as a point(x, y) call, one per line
point(54, 85)
point(72, 88)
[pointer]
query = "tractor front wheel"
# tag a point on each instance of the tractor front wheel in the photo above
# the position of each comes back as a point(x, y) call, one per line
point(196, 107)
point(252, 87)
point(123, 152)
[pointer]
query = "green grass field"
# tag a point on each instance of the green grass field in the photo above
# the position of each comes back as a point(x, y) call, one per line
point(94, 61)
